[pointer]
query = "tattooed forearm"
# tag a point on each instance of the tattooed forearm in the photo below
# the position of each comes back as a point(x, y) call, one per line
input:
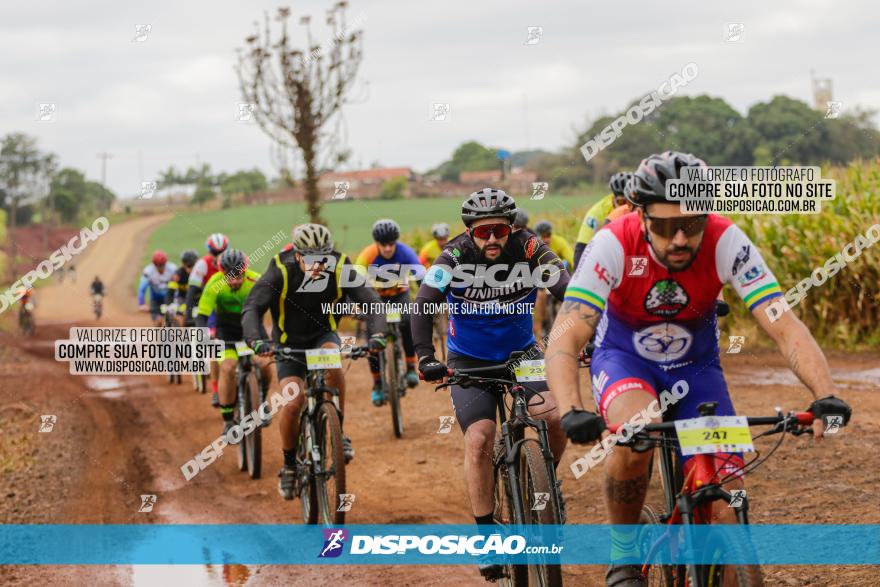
point(794, 362)
point(627, 491)
point(583, 312)
point(560, 353)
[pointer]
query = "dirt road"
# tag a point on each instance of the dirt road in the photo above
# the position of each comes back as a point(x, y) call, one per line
point(115, 440)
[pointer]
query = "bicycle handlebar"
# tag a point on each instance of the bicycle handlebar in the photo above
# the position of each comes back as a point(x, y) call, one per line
point(354, 352)
point(802, 418)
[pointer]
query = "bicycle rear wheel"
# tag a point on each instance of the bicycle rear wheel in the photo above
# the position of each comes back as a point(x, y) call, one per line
point(254, 440)
point(330, 483)
point(539, 507)
point(393, 388)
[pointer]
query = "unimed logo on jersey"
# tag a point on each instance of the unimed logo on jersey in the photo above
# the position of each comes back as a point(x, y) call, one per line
point(334, 540)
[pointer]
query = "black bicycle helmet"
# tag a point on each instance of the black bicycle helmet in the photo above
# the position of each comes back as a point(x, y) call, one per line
point(487, 203)
point(233, 262)
point(543, 228)
point(386, 231)
point(617, 183)
point(189, 257)
point(649, 180)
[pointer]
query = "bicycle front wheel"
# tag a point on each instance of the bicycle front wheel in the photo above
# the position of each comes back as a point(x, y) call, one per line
point(539, 507)
point(659, 575)
point(254, 440)
point(723, 575)
point(393, 387)
point(305, 482)
point(505, 515)
point(330, 481)
point(242, 410)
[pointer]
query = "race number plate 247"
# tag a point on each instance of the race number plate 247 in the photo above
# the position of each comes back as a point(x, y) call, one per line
point(530, 371)
point(323, 359)
point(713, 434)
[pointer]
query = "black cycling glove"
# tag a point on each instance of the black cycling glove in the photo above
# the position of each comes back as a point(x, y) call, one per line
point(432, 369)
point(830, 405)
point(583, 427)
point(377, 342)
point(261, 347)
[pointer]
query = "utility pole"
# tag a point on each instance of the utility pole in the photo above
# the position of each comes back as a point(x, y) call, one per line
point(103, 157)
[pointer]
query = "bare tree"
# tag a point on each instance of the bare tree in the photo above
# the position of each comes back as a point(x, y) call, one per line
point(297, 95)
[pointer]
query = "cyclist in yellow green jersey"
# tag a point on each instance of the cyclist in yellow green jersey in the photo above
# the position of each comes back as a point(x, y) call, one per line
point(597, 216)
point(224, 294)
point(429, 253)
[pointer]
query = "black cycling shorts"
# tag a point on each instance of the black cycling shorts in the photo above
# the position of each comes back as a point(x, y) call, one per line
point(298, 368)
point(480, 402)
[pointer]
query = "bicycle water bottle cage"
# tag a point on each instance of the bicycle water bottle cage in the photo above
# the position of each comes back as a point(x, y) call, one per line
point(707, 408)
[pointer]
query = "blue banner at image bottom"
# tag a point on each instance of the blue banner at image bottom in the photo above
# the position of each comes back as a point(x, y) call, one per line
point(437, 544)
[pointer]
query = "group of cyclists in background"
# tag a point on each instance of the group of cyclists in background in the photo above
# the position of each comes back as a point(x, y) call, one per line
point(592, 291)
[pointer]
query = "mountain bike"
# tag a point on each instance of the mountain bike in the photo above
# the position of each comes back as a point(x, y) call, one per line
point(250, 392)
point(392, 370)
point(688, 499)
point(169, 311)
point(97, 305)
point(526, 488)
point(320, 482)
point(26, 319)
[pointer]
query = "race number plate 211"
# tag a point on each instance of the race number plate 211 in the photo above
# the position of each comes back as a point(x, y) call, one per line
point(323, 359)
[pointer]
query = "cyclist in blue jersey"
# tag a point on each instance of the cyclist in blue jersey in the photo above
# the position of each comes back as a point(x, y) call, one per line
point(401, 260)
point(486, 325)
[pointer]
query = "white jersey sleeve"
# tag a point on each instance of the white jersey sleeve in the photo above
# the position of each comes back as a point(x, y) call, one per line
point(740, 264)
point(599, 271)
point(198, 273)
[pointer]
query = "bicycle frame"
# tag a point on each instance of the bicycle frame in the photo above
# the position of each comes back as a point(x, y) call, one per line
point(513, 435)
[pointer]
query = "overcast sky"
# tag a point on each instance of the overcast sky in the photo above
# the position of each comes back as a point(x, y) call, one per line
point(172, 98)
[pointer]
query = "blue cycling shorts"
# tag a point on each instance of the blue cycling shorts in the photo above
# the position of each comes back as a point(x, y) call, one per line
point(614, 372)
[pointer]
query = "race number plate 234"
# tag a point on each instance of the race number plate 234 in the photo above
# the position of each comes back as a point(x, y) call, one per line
point(323, 359)
point(530, 371)
point(713, 434)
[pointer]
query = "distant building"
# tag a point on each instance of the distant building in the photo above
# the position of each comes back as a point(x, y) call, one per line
point(482, 177)
point(365, 177)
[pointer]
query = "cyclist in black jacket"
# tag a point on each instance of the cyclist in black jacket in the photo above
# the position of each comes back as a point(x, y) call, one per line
point(297, 288)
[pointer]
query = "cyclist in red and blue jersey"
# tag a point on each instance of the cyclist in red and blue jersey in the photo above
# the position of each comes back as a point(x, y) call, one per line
point(488, 323)
point(404, 263)
point(647, 285)
point(201, 272)
point(155, 278)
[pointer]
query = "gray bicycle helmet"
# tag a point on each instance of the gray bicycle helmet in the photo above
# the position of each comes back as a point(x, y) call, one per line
point(189, 257)
point(649, 180)
point(543, 228)
point(440, 230)
point(521, 219)
point(233, 262)
point(312, 239)
point(386, 231)
point(617, 183)
point(487, 203)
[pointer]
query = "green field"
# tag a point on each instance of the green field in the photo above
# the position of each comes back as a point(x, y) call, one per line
point(248, 227)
